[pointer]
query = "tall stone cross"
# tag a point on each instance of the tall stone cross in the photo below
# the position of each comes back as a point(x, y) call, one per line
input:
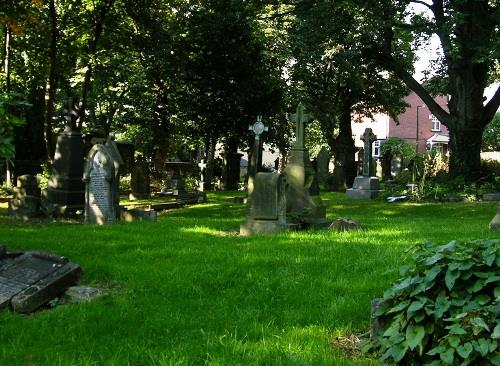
point(202, 166)
point(368, 138)
point(300, 118)
point(257, 128)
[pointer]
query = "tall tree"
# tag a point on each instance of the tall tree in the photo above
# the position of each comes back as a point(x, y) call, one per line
point(338, 81)
point(468, 31)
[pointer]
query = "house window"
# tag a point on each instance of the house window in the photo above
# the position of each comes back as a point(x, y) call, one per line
point(436, 125)
point(376, 148)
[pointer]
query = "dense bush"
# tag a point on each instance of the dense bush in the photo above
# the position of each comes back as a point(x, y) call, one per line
point(445, 308)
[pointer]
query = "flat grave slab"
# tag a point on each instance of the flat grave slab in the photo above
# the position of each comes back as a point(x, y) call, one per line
point(31, 279)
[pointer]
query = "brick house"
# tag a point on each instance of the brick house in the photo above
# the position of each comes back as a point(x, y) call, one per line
point(417, 126)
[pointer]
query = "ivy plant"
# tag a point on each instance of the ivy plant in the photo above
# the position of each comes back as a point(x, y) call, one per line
point(445, 308)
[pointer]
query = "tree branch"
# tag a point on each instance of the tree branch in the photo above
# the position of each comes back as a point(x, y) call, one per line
point(491, 108)
point(428, 6)
point(414, 85)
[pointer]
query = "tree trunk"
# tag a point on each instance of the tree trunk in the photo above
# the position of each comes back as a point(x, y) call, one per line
point(210, 149)
point(465, 159)
point(344, 151)
point(99, 26)
point(50, 90)
point(6, 57)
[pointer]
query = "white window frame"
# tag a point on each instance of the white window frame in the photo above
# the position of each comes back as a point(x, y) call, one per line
point(376, 148)
point(436, 123)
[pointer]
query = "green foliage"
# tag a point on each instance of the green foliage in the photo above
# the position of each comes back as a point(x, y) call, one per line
point(10, 117)
point(5, 190)
point(445, 307)
point(396, 146)
point(491, 135)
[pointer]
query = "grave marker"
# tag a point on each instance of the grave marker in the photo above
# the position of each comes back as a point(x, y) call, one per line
point(29, 280)
point(366, 186)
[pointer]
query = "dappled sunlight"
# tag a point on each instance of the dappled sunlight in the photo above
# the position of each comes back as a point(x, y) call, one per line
point(203, 230)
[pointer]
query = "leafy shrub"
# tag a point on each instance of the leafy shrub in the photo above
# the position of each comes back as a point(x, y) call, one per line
point(445, 309)
point(5, 190)
point(124, 185)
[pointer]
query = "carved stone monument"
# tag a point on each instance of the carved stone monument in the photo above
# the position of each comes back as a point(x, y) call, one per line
point(366, 186)
point(299, 177)
point(102, 179)
point(267, 208)
point(495, 223)
point(26, 201)
point(253, 165)
point(139, 180)
point(31, 279)
point(66, 191)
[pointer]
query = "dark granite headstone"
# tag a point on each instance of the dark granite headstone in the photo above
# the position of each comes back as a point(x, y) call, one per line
point(139, 180)
point(323, 164)
point(66, 190)
point(29, 280)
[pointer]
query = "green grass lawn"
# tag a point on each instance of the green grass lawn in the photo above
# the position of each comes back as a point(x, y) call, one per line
point(186, 290)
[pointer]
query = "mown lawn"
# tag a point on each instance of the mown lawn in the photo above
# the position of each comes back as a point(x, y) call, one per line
point(186, 290)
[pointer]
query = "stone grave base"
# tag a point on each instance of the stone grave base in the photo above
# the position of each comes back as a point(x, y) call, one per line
point(364, 188)
point(253, 226)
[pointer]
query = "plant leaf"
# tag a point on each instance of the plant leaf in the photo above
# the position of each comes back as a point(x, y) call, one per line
point(454, 341)
point(496, 332)
point(398, 351)
point(415, 305)
point(480, 323)
point(450, 278)
point(414, 335)
point(464, 350)
point(447, 356)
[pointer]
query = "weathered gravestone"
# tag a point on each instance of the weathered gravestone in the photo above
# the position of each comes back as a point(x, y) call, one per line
point(301, 205)
point(267, 208)
point(31, 279)
point(323, 165)
point(66, 191)
point(139, 180)
point(495, 223)
point(102, 180)
point(366, 186)
point(176, 183)
point(26, 201)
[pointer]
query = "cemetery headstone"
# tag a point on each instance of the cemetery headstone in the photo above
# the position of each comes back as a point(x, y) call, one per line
point(139, 180)
point(31, 279)
point(366, 186)
point(26, 201)
point(176, 183)
point(66, 191)
point(102, 181)
point(267, 208)
point(323, 163)
point(300, 176)
point(258, 128)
